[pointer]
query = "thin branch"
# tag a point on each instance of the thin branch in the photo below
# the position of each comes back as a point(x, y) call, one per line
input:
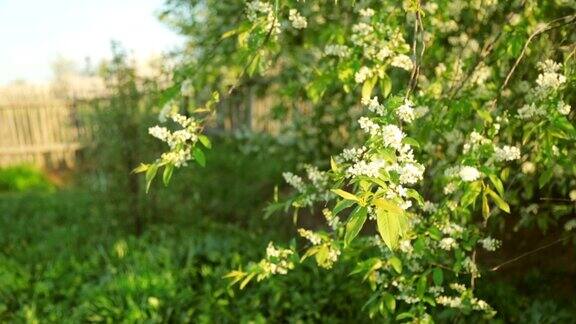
point(418, 32)
point(486, 50)
point(556, 199)
point(549, 26)
point(268, 36)
point(496, 268)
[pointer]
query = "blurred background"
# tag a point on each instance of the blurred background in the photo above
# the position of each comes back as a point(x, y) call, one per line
point(81, 241)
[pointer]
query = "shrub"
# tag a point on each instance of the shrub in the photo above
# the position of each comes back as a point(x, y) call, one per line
point(23, 178)
point(448, 141)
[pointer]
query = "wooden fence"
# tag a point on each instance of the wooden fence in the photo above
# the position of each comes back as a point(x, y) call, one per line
point(44, 133)
point(48, 132)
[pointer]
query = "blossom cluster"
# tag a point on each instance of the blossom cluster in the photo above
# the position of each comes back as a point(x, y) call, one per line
point(180, 141)
point(490, 244)
point(297, 20)
point(549, 81)
point(312, 190)
point(263, 11)
point(380, 45)
point(276, 261)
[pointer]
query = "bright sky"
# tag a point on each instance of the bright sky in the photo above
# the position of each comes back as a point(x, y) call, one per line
point(35, 32)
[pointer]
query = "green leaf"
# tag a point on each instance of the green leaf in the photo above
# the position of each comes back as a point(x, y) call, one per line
point(435, 233)
point(545, 177)
point(199, 156)
point(405, 315)
point(471, 194)
point(414, 194)
point(385, 85)
point(341, 205)
point(355, 223)
point(389, 218)
point(438, 276)
point(247, 280)
point(485, 207)
point(141, 168)
point(368, 86)
point(497, 184)
point(205, 141)
point(389, 301)
point(484, 115)
point(150, 175)
point(411, 141)
point(168, 170)
point(388, 155)
point(235, 275)
point(498, 201)
point(421, 286)
point(396, 264)
point(229, 33)
point(504, 174)
point(254, 64)
point(322, 255)
point(334, 165)
point(345, 195)
point(272, 208)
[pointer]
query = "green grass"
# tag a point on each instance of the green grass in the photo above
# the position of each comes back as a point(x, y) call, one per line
point(63, 261)
point(23, 178)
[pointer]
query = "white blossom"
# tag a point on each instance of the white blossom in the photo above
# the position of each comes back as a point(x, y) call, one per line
point(528, 167)
point(333, 254)
point(161, 133)
point(383, 53)
point(452, 229)
point(458, 287)
point(406, 111)
point(564, 108)
point(368, 12)
point(353, 154)
point(420, 111)
point(453, 302)
point(490, 244)
point(549, 79)
point(294, 180)
point(256, 9)
point(178, 158)
point(297, 20)
point(337, 50)
point(392, 136)
point(362, 29)
point(405, 246)
point(314, 238)
point(570, 225)
point(272, 251)
point(318, 178)
point(468, 173)
point(530, 111)
point(362, 74)
point(402, 61)
point(370, 169)
point(374, 106)
point(370, 127)
point(447, 243)
point(410, 173)
point(572, 195)
point(429, 207)
point(506, 153)
point(187, 88)
point(333, 221)
point(449, 188)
